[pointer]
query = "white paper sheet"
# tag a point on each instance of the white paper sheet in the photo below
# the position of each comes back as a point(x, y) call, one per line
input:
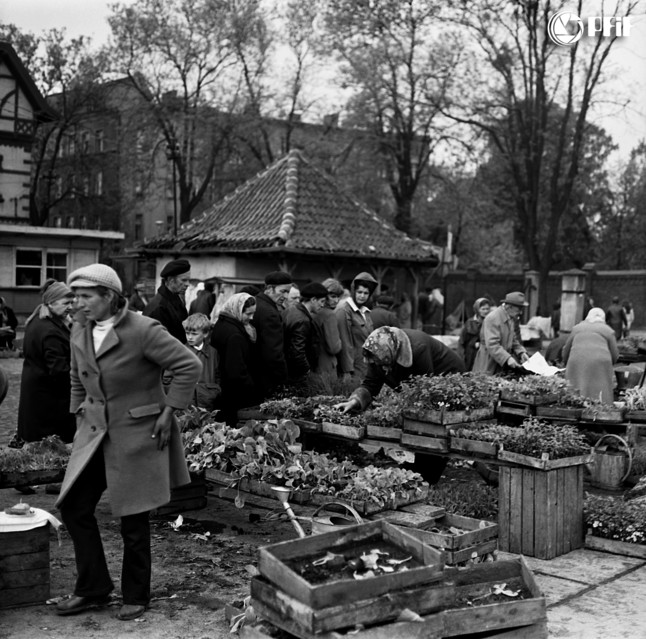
point(538, 364)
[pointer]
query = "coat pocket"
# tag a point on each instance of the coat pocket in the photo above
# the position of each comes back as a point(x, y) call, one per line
point(144, 411)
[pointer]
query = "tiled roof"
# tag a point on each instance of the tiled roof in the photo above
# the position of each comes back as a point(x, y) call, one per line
point(293, 206)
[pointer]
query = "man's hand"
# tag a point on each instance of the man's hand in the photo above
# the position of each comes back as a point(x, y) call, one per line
point(161, 432)
point(512, 363)
point(524, 357)
point(346, 407)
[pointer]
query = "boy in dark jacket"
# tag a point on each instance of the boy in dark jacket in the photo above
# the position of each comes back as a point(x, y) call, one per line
point(207, 389)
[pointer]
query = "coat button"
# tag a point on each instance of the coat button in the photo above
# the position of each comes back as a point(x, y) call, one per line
point(90, 400)
point(84, 373)
point(93, 429)
point(101, 402)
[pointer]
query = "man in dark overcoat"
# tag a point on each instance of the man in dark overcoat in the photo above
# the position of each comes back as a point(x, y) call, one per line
point(167, 307)
point(269, 326)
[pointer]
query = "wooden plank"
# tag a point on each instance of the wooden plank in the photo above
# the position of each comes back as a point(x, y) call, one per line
point(524, 398)
point(353, 433)
point(24, 561)
point(421, 442)
point(615, 547)
point(473, 446)
point(515, 512)
point(35, 593)
point(23, 578)
point(307, 426)
point(527, 506)
point(563, 519)
point(540, 514)
point(452, 557)
point(517, 410)
point(384, 433)
point(425, 428)
point(575, 483)
point(551, 514)
point(426, 510)
point(25, 542)
point(561, 413)
point(473, 534)
point(31, 477)
point(543, 464)
point(406, 519)
point(232, 494)
point(504, 487)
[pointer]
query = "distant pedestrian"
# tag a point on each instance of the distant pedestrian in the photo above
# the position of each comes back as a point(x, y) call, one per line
point(8, 325)
point(207, 390)
point(293, 297)
point(234, 338)
point(405, 311)
point(268, 323)
point(630, 316)
point(382, 314)
point(205, 300)
point(328, 328)
point(44, 405)
point(469, 340)
point(355, 324)
point(138, 300)
point(616, 318)
point(589, 355)
point(302, 336)
point(168, 306)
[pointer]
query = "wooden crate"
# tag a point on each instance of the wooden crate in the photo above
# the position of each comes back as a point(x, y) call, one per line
point(228, 484)
point(426, 436)
point(307, 426)
point(24, 567)
point(510, 395)
point(31, 477)
point(562, 413)
point(603, 415)
point(480, 538)
point(353, 433)
point(272, 566)
point(364, 507)
point(615, 547)
point(446, 416)
point(513, 409)
point(474, 447)
point(436, 603)
point(544, 462)
point(540, 511)
point(189, 497)
point(384, 433)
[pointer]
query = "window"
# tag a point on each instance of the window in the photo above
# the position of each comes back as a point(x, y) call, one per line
point(85, 142)
point(71, 185)
point(98, 183)
point(34, 266)
point(69, 221)
point(58, 189)
point(83, 221)
point(58, 221)
point(86, 185)
point(99, 141)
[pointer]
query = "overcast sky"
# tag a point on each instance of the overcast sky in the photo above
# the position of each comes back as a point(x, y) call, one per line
point(628, 67)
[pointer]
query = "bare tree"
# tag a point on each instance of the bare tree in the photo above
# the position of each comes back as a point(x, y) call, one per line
point(522, 88)
point(181, 55)
point(400, 66)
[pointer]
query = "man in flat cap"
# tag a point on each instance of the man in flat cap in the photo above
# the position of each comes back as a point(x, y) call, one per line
point(168, 307)
point(499, 343)
point(269, 328)
point(302, 340)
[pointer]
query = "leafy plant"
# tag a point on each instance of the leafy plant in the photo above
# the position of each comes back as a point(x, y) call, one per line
point(50, 453)
point(635, 398)
point(536, 385)
point(612, 518)
point(536, 437)
point(467, 498)
point(490, 433)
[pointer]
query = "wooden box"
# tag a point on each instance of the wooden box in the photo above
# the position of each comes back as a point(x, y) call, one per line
point(540, 511)
point(228, 485)
point(384, 433)
point(365, 507)
point(510, 395)
point(189, 497)
point(603, 414)
point(425, 435)
point(514, 409)
point(24, 567)
point(562, 413)
point(448, 608)
point(341, 592)
point(353, 433)
point(475, 447)
point(307, 426)
point(479, 537)
point(10, 479)
point(446, 416)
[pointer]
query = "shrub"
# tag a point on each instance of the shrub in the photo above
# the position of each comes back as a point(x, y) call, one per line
point(612, 518)
point(468, 498)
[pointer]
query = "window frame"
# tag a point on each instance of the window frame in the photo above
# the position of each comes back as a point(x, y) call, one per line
point(44, 269)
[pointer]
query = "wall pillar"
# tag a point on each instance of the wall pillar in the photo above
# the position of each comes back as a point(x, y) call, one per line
point(532, 292)
point(572, 298)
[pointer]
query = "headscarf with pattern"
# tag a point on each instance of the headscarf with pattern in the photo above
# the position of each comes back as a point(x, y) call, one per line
point(389, 346)
point(233, 308)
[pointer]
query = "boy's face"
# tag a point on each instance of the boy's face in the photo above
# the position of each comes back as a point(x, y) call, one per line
point(195, 338)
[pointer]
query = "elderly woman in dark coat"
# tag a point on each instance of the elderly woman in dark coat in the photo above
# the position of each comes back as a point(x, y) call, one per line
point(127, 439)
point(44, 405)
point(589, 354)
point(393, 355)
point(234, 338)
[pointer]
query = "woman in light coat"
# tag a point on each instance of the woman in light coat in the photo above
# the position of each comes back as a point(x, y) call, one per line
point(589, 354)
point(127, 439)
point(330, 339)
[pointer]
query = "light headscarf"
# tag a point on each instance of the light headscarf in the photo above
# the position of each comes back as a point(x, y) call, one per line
point(481, 301)
point(233, 308)
point(389, 346)
point(596, 315)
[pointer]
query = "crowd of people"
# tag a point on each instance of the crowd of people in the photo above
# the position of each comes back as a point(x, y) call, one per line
point(108, 373)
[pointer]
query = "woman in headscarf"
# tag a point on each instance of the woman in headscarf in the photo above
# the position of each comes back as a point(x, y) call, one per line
point(330, 339)
point(470, 336)
point(589, 355)
point(234, 338)
point(393, 355)
point(44, 405)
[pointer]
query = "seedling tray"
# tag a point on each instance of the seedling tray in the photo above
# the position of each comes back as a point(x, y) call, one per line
point(274, 560)
point(446, 416)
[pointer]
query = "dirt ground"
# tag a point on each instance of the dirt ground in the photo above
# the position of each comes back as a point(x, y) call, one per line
point(197, 569)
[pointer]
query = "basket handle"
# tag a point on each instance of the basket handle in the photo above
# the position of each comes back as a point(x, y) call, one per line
point(624, 443)
point(353, 512)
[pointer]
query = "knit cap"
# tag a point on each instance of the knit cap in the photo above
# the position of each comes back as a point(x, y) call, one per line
point(95, 275)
